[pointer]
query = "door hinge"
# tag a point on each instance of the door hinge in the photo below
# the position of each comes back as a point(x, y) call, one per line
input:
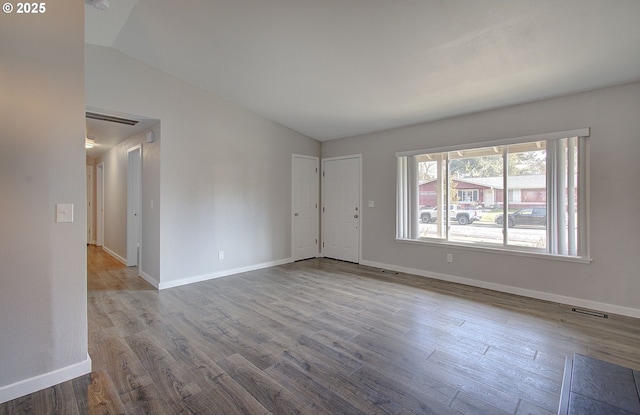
point(316, 241)
point(323, 173)
point(323, 244)
point(322, 209)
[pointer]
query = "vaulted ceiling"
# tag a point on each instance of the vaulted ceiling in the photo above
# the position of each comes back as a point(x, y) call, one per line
point(337, 68)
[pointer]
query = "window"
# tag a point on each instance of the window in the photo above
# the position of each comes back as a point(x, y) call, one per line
point(468, 195)
point(457, 195)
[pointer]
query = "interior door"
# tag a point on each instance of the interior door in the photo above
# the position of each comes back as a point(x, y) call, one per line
point(304, 207)
point(100, 204)
point(134, 205)
point(341, 208)
point(90, 238)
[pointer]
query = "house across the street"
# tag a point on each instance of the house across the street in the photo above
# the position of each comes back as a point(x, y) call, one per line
point(524, 191)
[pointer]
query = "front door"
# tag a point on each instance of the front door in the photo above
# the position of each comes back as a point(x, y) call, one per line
point(341, 208)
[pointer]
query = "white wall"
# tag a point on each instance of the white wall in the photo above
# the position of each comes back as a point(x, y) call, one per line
point(225, 173)
point(611, 283)
point(115, 201)
point(43, 308)
point(150, 254)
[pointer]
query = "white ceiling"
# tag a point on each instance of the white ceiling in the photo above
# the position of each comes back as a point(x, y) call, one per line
point(337, 68)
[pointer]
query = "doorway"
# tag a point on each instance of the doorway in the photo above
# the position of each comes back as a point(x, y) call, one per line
point(341, 213)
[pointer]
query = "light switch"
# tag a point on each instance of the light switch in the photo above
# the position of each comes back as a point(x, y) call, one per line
point(64, 212)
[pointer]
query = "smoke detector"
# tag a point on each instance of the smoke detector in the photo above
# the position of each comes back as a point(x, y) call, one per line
point(100, 4)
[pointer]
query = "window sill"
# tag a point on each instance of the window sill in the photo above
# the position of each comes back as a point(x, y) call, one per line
point(513, 251)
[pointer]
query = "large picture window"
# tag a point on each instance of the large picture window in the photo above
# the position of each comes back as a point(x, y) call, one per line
point(522, 194)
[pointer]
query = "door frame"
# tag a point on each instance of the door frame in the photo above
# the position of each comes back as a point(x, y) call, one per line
point(322, 196)
point(134, 202)
point(316, 224)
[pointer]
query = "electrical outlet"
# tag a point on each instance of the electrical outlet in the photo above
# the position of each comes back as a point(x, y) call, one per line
point(220, 254)
point(449, 257)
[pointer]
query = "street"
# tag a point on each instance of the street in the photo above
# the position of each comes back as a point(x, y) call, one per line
point(489, 233)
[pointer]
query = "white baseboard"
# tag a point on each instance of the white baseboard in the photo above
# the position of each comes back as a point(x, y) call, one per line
point(43, 381)
point(148, 278)
point(113, 254)
point(205, 277)
point(540, 295)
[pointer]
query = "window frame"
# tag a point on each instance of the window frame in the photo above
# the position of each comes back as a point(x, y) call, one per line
point(475, 195)
point(406, 218)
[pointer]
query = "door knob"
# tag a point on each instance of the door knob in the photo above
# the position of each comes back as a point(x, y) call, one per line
point(295, 214)
point(355, 216)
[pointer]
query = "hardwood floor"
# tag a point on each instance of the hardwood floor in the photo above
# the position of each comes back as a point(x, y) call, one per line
point(323, 337)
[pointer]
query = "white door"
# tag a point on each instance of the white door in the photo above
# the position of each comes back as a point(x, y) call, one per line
point(90, 238)
point(305, 196)
point(341, 208)
point(100, 204)
point(134, 204)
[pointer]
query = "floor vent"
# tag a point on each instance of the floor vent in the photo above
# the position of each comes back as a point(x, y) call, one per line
point(384, 271)
point(589, 312)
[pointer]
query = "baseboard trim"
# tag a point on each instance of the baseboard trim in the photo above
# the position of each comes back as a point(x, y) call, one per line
point(113, 254)
point(540, 295)
point(219, 274)
point(43, 381)
point(148, 278)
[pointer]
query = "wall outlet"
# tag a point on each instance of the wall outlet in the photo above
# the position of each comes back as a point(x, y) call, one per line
point(220, 254)
point(449, 257)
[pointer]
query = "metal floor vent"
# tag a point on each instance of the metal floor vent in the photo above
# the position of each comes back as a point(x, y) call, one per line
point(110, 118)
point(384, 271)
point(589, 312)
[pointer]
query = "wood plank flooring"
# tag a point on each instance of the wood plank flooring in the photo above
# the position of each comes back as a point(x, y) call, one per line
point(323, 337)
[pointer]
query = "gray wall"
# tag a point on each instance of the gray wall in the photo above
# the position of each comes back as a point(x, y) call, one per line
point(43, 298)
point(611, 281)
point(225, 173)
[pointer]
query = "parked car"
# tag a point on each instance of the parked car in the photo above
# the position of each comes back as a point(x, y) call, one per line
point(428, 215)
point(528, 216)
point(462, 216)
